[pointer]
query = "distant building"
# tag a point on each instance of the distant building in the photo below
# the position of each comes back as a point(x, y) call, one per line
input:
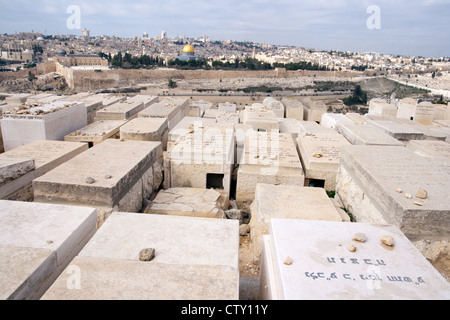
point(73, 60)
point(20, 51)
point(85, 35)
point(188, 54)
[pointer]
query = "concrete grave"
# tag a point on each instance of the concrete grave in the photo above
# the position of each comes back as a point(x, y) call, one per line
point(213, 113)
point(146, 129)
point(198, 108)
point(227, 107)
point(145, 99)
point(97, 132)
point(228, 118)
point(320, 150)
point(330, 120)
point(378, 193)
point(37, 241)
point(24, 164)
point(275, 105)
point(290, 202)
point(97, 102)
point(194, 259)
point(173, 109)
point(407, 108)
point(424, 113)
point(124, 110)
point(192, 202)
point(202, 159)
point(293, 108)
point(366, 134)
point(267, 158)
point(313, 110)
point(112, 175)
point(400, 131)
point(263, 119)
point(47, 122)
point(311, 260)
point(381, 107)
point(187, 125)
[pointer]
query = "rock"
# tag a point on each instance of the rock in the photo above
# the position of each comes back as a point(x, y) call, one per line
point(233, 214)
point(360, 237)
point(288, 261)
point(318, 155)
point(147, 254)
point(408, 196)
point(422, 194)
point(418, 203)
point(387, 240)
point(108, 176)
point(351, 248)
point(244, 229)
point(90, 180)
point(399, 190)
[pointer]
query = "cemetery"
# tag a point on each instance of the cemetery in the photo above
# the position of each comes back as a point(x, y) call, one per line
point(175, 198)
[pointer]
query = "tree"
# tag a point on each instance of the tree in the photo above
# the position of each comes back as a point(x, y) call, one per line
point(171, 84)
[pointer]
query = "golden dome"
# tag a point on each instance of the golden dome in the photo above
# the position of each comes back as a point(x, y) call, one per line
point(188, 49)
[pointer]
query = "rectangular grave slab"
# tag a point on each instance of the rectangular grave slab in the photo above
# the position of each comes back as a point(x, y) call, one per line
point(192, 202)
point(267, 158)
point(173, 109)
point(112, 175)
point(400, 131)
point(123, 110)
point(47, 122)
point(97, 131)
point(293, 107)
point(37, 241)
point(367, 135)
point(375, 192)
point(146, 129)
point(202, 159)
point(45, 154)
point(195, 258)
point(290, 202)
point(330, 120)
point(310, 260)
point(320, 151)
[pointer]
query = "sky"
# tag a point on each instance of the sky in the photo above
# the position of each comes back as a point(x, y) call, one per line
point(398, 27)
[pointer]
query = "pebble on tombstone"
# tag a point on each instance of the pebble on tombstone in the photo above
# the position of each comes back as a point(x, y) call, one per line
point(351, 248)
point(288, 261)
point(147, 254)
point(360, 237)
point(422, 194)
point(387, 240)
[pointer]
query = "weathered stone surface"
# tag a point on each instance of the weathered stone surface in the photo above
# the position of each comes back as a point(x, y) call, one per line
point(196, 258)
point(367, 135)
point(193, 202)
point(289, 202)
point(37, 241)
point(123, 110)
point(97, 131)
point(125, 161)
point(368, 187)
point(173, 109)
point(324, 269)
point(45, 154)
point(267, 158)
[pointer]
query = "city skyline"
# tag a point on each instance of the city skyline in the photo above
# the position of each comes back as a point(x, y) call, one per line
point(413, 28)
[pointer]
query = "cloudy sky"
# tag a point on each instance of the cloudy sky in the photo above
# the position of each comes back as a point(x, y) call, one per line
point(404, 27)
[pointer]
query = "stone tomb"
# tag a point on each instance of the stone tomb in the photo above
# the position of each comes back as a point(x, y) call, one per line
point(198, 108)
point(267, 158)
point(192, 202)
point(320, 151)
point(124, 110)
point(366, 134)
point(112, 175)
point(311, 260)
point(97, 132)
point(173, 109)
point(47, 122)
point(202, 159)
point(400, 131)
point(146, 129)
point(330, 120)
point(263, 119)
point(37, 241)
point(195, 259)
point(187, 125)
point(275, 105)
point(24, 164)
point(96, 102)
point(379, 184)
point(293, 108)
point(290, 202)
point(147, 100)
